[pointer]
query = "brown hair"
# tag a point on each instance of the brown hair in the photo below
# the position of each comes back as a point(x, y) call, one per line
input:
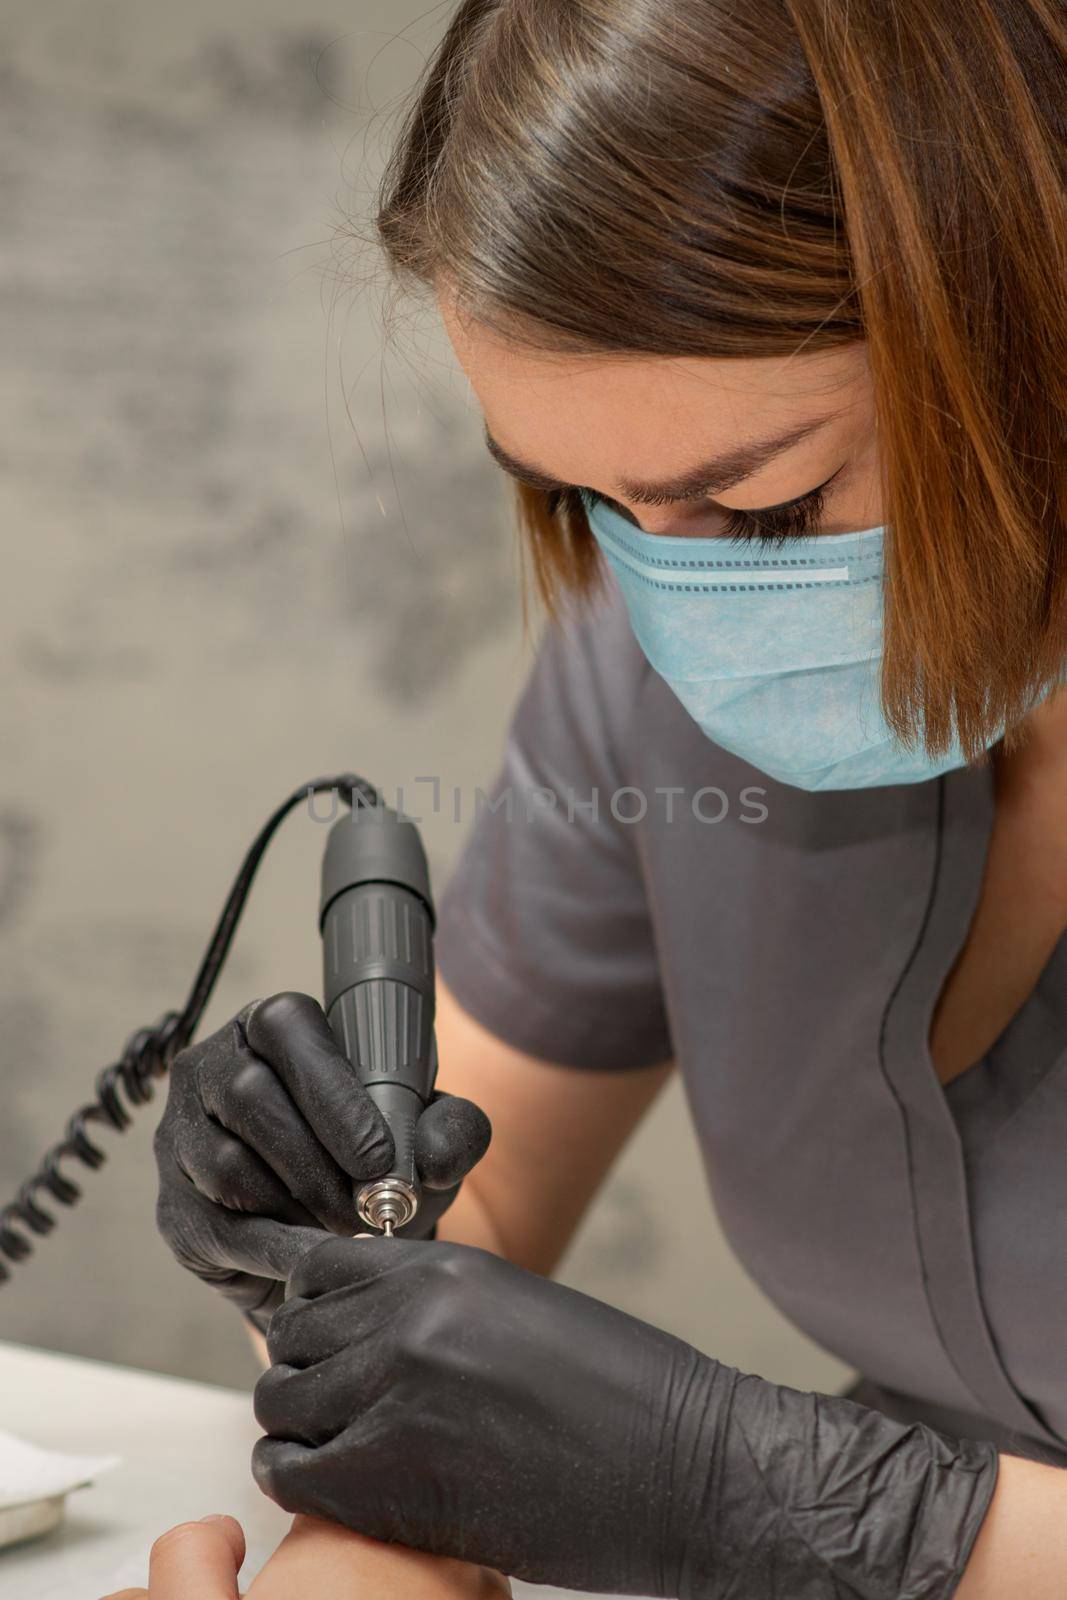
point(708, 177)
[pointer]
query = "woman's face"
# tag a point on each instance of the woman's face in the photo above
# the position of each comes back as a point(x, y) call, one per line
point(655, 434)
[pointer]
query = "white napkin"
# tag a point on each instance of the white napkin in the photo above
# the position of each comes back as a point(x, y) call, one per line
point(28, 1473)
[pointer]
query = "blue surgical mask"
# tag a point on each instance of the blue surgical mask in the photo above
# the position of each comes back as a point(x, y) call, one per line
point(775, 651)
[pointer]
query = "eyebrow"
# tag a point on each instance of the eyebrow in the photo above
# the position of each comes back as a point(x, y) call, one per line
point(722, 472)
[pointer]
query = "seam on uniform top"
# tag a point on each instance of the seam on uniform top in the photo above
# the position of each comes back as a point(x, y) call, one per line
point(906, 1130)
point(933, 892)
point(983, 1356)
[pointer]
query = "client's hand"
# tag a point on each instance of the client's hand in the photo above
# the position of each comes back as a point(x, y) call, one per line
point(196, 1558)
point(315, 1559)
point(319, 1559)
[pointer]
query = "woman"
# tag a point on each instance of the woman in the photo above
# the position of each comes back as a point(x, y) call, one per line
point(764, 308)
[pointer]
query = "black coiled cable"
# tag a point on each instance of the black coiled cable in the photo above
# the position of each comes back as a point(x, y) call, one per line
point(148, 1053)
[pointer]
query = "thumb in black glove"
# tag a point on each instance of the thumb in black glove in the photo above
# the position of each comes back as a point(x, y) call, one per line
point(435, 1395)
point(267, 1135)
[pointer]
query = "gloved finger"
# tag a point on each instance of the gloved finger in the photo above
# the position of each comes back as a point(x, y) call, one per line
point(290, 1032)
point(258, 1245)
point(226, 1171)
point(285, 1471)
point(310, 1405)
point(129, 1594)
point(451, 1137)
point(244, 1094)
point(250, 1294)
point(305, 1333)
point(197, 1558)
point(341, 1263)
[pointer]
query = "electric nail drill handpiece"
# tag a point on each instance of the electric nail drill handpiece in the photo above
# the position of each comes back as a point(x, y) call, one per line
point(377, 920)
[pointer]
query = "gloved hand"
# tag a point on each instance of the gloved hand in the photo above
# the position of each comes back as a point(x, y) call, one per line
point(435, 1395)
point(267, 1133)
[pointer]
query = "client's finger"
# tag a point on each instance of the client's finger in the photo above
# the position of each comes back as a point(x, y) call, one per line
point(197, 1561)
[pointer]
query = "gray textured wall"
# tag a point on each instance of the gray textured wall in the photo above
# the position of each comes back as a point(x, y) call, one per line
point(242, 545)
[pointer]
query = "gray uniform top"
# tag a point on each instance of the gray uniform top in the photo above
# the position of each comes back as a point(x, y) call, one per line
point(790, 963)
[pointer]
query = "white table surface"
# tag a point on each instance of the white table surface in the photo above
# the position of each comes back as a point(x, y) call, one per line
point(185, 1449)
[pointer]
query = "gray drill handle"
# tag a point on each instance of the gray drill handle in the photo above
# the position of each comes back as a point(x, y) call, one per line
point(377, 940)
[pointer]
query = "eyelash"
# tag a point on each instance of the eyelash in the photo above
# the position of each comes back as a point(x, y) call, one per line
point(799, 519)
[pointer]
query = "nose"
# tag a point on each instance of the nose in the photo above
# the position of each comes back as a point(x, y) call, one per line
point(656, 519)
point(650, 519)
point(676, 520)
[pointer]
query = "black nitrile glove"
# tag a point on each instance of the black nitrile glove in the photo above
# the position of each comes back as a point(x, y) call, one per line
point(266, 1135)
point(434, 1395)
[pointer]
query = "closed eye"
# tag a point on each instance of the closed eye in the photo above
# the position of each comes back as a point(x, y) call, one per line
point(794, 519)
point(789, 519)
